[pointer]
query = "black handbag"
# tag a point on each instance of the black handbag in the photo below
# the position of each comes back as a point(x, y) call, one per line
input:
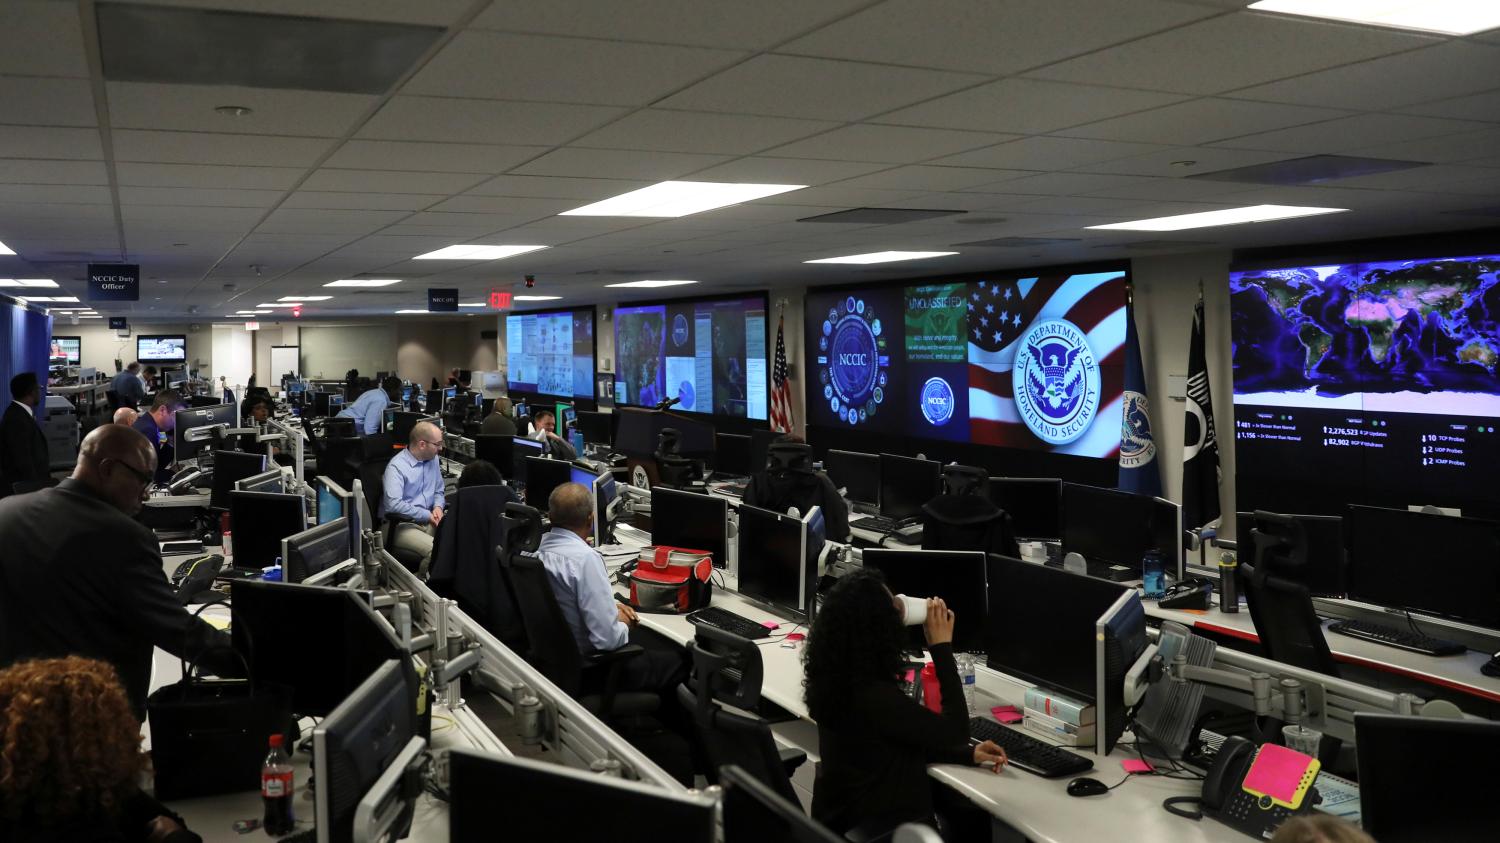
point(210, 736)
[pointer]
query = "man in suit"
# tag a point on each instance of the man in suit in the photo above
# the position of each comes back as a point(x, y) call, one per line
point(80, 576)
point(23, 447)
point(161, 419)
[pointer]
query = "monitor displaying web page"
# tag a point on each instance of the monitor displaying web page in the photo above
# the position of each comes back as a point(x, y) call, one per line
point(549, 353)
point(707, 355)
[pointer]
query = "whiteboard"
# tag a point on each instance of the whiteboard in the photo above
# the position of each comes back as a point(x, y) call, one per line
point(284, 358)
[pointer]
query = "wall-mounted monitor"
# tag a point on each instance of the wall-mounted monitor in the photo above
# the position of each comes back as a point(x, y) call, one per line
point(1010, 359)
point(68, 349)
point(707, 354)
point(171, 348)
point(550, 352)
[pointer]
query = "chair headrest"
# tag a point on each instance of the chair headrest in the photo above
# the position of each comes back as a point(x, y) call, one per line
point(523, 528)
point(789, 456)
point(1279, 541)
point(964, 479)
point(669, 441)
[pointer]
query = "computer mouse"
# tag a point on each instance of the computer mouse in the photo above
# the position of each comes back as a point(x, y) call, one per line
point(1086, 787)
point(1491, 667)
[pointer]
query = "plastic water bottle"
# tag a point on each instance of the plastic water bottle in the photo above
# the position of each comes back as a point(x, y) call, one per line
point(276, 790)
point(965, 664)
point(1152, 575)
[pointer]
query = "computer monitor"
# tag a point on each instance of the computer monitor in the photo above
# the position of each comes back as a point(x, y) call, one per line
point(957, 576)
point(406, 391)
point(565, 804)
point(322, 403)
point(690, 520)
point(906, 484)
point(775, 567)
point(67, 349)
point(754, 813)
point(335, 404)
point(1106, 525)
point(401, 425)
point(1119, 639)
point(566, 417)
point(260, 521)
point(270, 480)
point(1033, 503)
point(760, 448)
point(1167, 535)
point(523, 449)
point(1327, 571)
point(858, 474)
point(450, 393)
point(1439, 564)
point(191, 418)
point(333, 501)
point(433, 401)
point(230, 467)
point(319, 643)
point(1042, 624)
point(507, 453)
point(732, 455)
point(1417, 777)
point(595, 427)
point(355, 744)
point(314, 550)
point(544, 475)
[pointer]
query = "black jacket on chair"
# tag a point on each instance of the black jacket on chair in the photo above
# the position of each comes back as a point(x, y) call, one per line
point(464, 566)
point(23, 448)
point(967, 522)
point(804, 490)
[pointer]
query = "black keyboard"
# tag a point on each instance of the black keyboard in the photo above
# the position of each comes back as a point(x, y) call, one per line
point(729, 622)
point(882, 524)
point(1399, 638)
point(1030, 754)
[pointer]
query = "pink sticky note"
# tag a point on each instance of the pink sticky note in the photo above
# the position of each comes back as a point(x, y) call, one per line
point(770, 624)
point(1006, 714)
point(1136, 765)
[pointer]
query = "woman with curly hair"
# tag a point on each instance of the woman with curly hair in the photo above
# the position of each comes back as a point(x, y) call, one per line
point(70, 756)
point(876, 741)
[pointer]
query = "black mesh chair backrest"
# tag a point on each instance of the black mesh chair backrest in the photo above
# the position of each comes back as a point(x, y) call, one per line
point(742, 740)
point(1281, 607)
point(965, 480)
point(551, 648)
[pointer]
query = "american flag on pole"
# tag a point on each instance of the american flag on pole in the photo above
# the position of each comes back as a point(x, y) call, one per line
point(1000, 312)
point(781, 388)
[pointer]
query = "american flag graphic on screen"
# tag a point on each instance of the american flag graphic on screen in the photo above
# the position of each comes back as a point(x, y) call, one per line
point(781, 389)
point(1002, 312)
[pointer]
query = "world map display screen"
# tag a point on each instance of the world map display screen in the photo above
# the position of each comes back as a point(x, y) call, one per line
point(1370, 382)
point(1033, 361)
point(551, 353)
point(708, 354)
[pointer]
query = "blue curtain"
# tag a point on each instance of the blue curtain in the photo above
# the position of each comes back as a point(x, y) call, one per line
point(25, 340)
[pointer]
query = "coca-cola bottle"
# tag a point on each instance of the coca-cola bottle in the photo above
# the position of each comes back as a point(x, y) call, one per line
point(276, 790)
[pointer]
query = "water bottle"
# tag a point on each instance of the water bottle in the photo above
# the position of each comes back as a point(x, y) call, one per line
point(965, 664)
point(1152, 575)
point(276, 790)
point(1229, 595)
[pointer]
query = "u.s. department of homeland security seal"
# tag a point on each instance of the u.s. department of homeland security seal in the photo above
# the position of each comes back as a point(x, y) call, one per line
point(1137, 446)
point(1056, 381)
point(937, 401)
point(852, 361)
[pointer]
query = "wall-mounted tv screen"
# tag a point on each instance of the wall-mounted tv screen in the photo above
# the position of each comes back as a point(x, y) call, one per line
point(168, 347)
point(1033, 361)
point(708, 354)
point(1367, 382)
point(551, 352)
point(67, 348)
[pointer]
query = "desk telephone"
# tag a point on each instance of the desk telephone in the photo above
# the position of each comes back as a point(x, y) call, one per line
point(1255, 789)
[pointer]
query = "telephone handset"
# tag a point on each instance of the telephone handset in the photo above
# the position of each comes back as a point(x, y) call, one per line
point(1255, 789)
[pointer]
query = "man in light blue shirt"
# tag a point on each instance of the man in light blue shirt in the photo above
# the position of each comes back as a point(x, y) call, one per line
point(128, 387)
point(369, 408)
point(413, 489)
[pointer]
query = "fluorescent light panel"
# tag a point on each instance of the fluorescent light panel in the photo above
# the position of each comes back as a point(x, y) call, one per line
point(1228, 216)
point(27, 282)
point(364, 282)
point(476, 252)
point(535, 298)
point(646, 284)
point(679, 199)
point(89, 316)
point(883, 257)
point(413, 311)
point(471, 304)
point(280, 304)
point(48, 298)
point(5, 250)
point(304, 298)
point(252, 312)
point(1450, 17)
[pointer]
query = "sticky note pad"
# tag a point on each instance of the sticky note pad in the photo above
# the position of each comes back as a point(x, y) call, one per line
point(1006, 714)
point(1282, 774)
point(770, 624)
point(1136, 765)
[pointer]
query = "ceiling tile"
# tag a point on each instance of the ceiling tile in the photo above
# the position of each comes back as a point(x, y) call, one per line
point(838, 196)
point(1484, 106)
point(190, 216)
point(1230, 52)
point(50, 142)
point(768, 170)
point(1452, 69)
point(41, 39)
point(887, 144)
point(618, 163)
point(1027, 106)
point(294, 220)
point(1170, 190)
point(736, 25)
point(1065, 184)
point(484, 121)
point(788, 86)
point(502, 66)
point(1347, 133)
point(1458, 147)
point(924, 178)
point(233, 198)
point(1045, 153)
point(430, 12)
point(55, 194)
point(390, 181)
point(1174, 161)
point(216, 148)
point(700, 131)
point(190, 108)
point(360, 201)
point(507, 205)
point(983, 36)
point(552, 187)
point(203, 175)
point(25, 171)
point(1202, 121)
point(46, 102)
point(1439, 178)
point(430, 157)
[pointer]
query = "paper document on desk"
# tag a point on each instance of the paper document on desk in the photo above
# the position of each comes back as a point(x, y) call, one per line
point(1340, 796)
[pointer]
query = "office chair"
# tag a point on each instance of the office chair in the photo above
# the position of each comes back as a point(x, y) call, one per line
point(787, 479)
point(672, 467)
point(727, 670)
point(964, 518)
point(1280, 606)
point(551, 648)
point(112, 400)
point(468, 561)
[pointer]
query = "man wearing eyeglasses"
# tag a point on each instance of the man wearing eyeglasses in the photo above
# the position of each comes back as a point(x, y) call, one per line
point(413, 489)
point(79, 576)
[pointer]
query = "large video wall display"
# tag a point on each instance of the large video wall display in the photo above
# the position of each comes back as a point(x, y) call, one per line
point(551, 352)
point(707, 355)
point(1368, 382)
point(1032, 361)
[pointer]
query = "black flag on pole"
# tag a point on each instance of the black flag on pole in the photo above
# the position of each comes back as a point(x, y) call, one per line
point(1200, 454)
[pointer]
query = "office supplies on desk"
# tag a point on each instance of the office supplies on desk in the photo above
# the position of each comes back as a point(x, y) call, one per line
point(1087, 787)
point(1401, 639)
point(196, 576)
point(1255, 789)
point(1491, 667)
point(1029, 753)
point(173, 547)
point(729, 622)
point(667, 579)
point(1006, 714)
point(1193, 593)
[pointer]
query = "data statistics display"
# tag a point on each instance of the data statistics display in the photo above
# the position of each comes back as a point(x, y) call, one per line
point(551, 353)
point(170, 348)
point(1015, 361)
point(1370, 382)
point(709, 354)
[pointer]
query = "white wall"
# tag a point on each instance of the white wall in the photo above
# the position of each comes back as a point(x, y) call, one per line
point(101, 347)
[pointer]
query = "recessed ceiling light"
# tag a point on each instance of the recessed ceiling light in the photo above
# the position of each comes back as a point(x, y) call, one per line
point(252, 312)
point(476, 252)
point(665, 283)
point(883, 257)
point(679, 198)
point(1450, 17)
point(471, 304)
point(48, 298)
point(542, 298)
point(364, 282)
point(304, 298)
point(71, 309)
point(1228, 216)
point(90, 316)
point(27, 282)
point(412, 312)
point(280, 304)
point(5, 250)
point(233, 110)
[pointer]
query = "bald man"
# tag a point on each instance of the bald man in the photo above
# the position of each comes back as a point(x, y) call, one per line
point(79, 576)
point(126, 416)
point(413, 490)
